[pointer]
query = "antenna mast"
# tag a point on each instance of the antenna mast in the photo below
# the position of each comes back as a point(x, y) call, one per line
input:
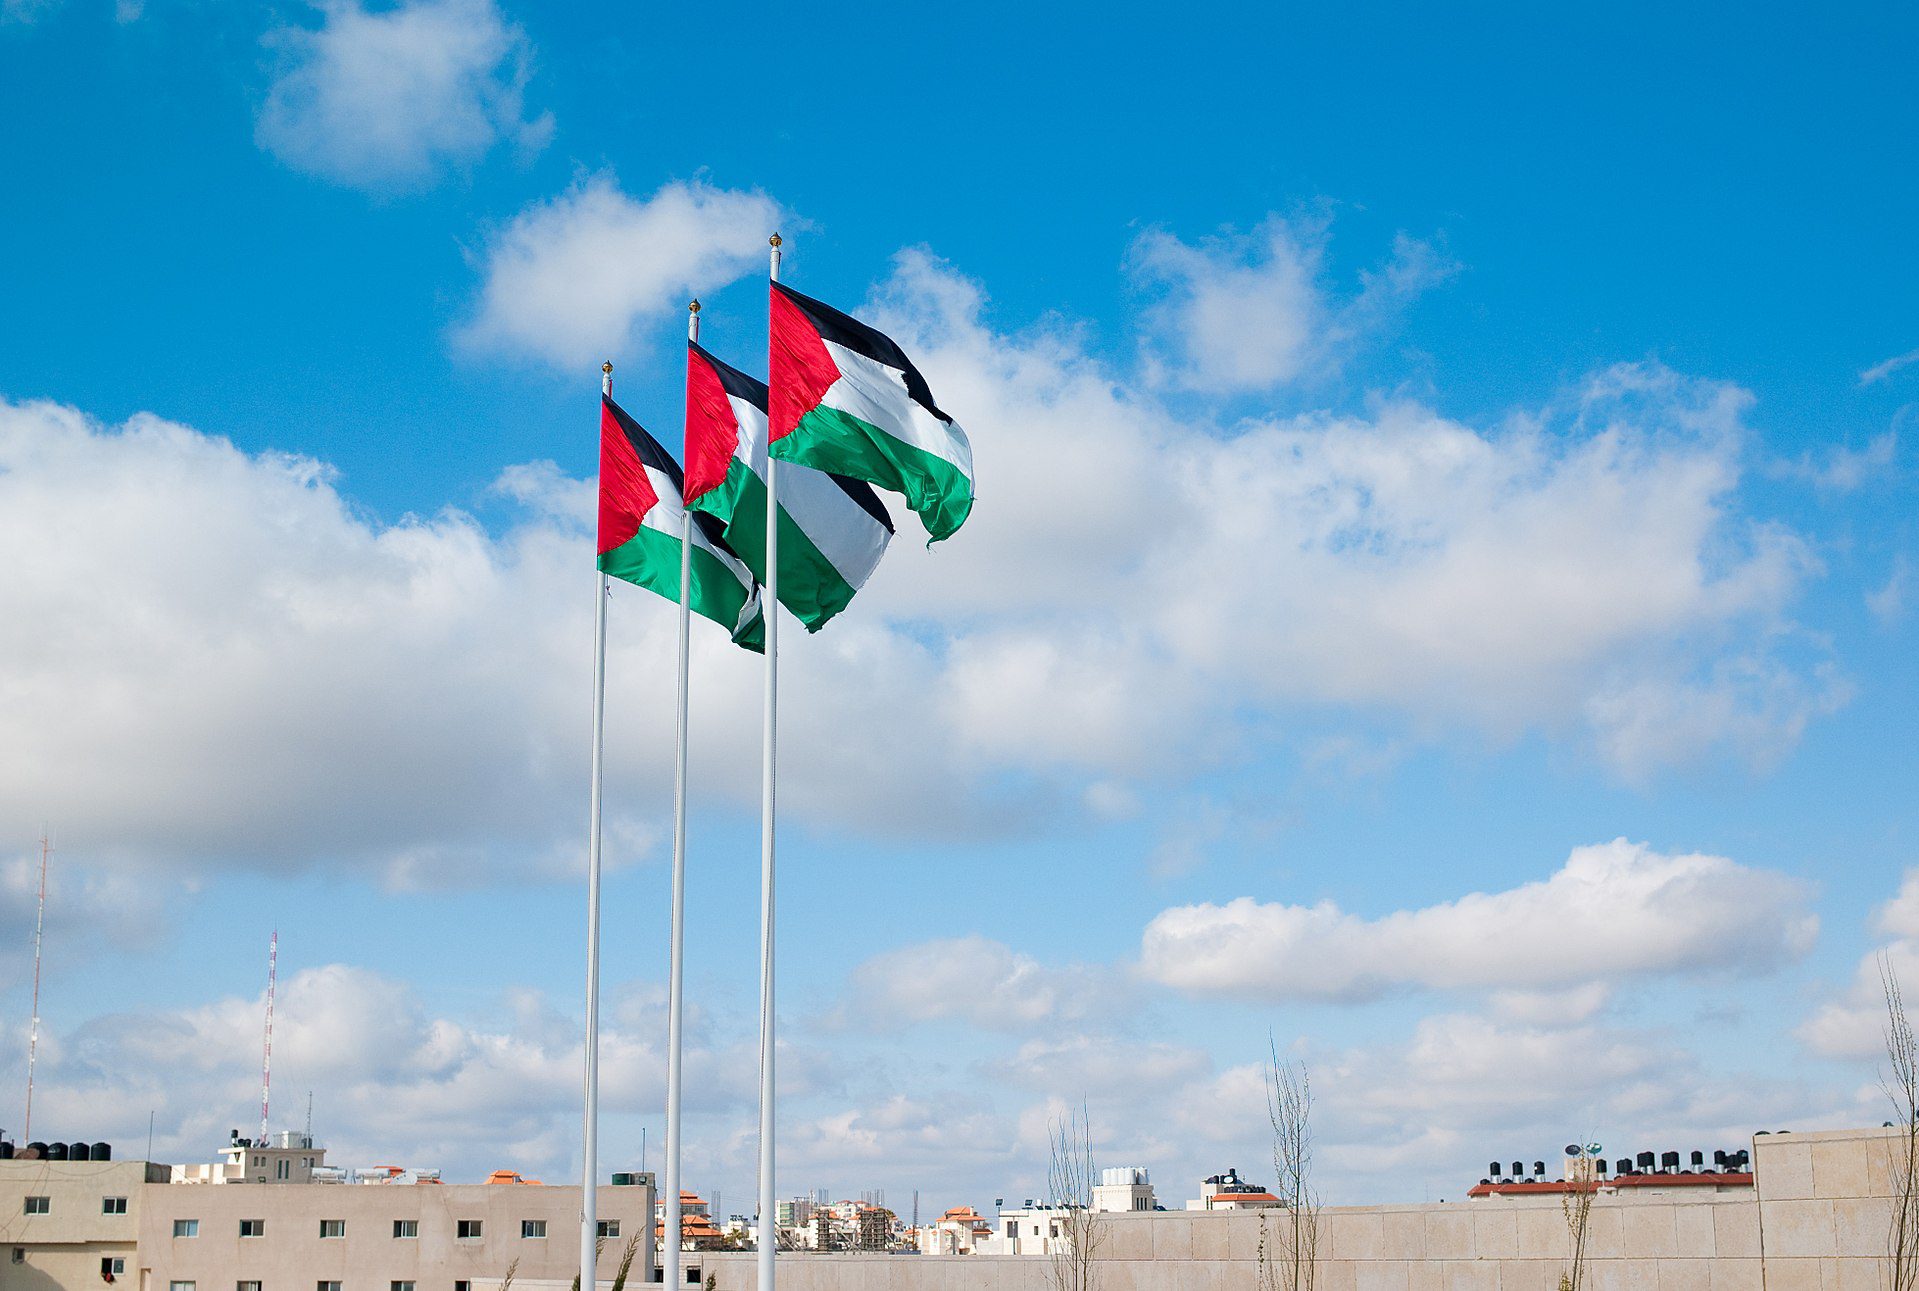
point(39, 927)
point(266, 1054)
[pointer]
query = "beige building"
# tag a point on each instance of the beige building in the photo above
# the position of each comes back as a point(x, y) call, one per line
point(71, 1223)
point(278, 1225)
point(379, 1237)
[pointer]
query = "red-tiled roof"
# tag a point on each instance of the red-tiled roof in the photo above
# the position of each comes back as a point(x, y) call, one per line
point(1727, 1180)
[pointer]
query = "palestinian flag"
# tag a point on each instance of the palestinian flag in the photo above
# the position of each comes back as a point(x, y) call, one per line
point(642, 521)
point(833, 530)
point(847, 400)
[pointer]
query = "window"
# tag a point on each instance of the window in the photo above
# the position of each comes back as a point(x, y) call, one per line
point(179, 1286)
point(532, 1228)
point(462, 1284)
point(406, 1228)
point(246, 1286)
point(327, 1286)
point(113, 1205)
point(110, 1265)
point(609, 1228)
point(399, 1286)
point(284, 1169)
point(469, 1229)
point(38, 1206)
point(19, 1255)
point(333, 1228)
point(186, 1228)
point(253, 1228)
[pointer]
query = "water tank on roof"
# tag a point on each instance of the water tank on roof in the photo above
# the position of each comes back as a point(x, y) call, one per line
point(6, 1149)
point(1621, 1166)
point(1668, 1160)
point(1539, 1168)
point(1644, 1161)
point(1519, 1169)
point(1493, 1168)
point(1698, 1159)
point(79, 1151)
point(56, 1152)
point(36, 1150)
point(103, 1152)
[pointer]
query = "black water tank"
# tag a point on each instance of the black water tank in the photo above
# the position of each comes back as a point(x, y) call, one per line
point(1539, 1167)
point(1599, 1165)
point(37, 1150)
point(56, 1152)
point(1644, 1161)
point(103, 1152)
point(1493, 1168)
point(1668, 1160)
point(1519, 1169)
point(6, 1149)
point(79, 1152)
point(1622, 1166)
point(1719, 1156)
point(1698, 1158)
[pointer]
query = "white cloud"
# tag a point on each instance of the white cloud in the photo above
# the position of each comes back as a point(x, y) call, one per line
point(1843, 468)
point(1888, 602)
point(1252, 312)
point(1613, 910)
point(81, 899)
point(1852, 1023)
point(567, 280)
point(976, 980)
point(216, 659)
point(1880, 371)
point(385, 99)
point(1586, 566)
point(391, 1079)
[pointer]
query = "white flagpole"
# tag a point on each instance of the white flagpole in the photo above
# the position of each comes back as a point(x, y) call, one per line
point(590, 1156)
point(670, 1242)
point(769, 1224)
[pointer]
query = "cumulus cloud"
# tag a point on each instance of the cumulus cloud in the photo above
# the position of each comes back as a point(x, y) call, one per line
point(1253, 312)
point(568, 279)
point(976, 980)
point(1851, 1022)
point(394, 1079)
point(387, 98)
point(1613, 910)
point(1585, 565)
point(215, 658)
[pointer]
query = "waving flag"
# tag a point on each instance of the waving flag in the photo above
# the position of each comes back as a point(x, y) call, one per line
point(846, 399)
point(833, 530)
point(642, 520)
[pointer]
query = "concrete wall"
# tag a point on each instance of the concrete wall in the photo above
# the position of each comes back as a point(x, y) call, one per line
point(1817, 1221)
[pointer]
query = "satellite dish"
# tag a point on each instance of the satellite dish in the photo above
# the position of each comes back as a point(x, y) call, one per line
point(1572, 1149)
point(1594, 1148)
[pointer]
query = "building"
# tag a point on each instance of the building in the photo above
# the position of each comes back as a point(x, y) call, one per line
point(1646, 1174)
point(957, 1232)
point(1230, 1192)
point(72, 1223)
point(1124, 1188)
point(275, 1216)
point(698, 1232)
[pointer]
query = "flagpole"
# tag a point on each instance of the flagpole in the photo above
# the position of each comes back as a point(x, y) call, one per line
point(769, 1225)
point(590, 1155)
point(670, 1243)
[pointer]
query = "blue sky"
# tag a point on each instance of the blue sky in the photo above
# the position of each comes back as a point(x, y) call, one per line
point(1413, 448)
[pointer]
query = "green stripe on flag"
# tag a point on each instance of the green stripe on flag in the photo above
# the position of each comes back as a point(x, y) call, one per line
point(830, 440)
point(651, 559)
point(810, 586)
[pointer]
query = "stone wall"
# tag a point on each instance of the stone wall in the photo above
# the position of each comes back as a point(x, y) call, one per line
point(1817, 1221)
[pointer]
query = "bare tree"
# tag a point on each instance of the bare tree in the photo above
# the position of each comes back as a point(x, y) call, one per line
point(1078, 1230)
point(1576, 1204)
point(1289, 1239)
point(1901, 1084)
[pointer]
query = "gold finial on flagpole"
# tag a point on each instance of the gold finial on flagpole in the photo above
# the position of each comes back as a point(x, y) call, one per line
point(773, 241)
point(693, 308)
point(606, 378)
point(606, 368)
